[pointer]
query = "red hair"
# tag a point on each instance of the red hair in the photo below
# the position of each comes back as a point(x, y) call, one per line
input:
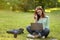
point(38, 17)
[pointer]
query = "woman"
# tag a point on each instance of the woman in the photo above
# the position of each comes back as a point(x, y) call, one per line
point(40, 17)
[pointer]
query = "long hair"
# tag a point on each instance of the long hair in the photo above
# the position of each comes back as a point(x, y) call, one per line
point(36, 13)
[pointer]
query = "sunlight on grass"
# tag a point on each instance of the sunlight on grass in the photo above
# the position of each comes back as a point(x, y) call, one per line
point(51, 9)
point(48, 10)
point(58, 0)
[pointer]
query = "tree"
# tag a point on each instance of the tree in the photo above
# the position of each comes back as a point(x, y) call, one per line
point(46, 3)
point(26, 5)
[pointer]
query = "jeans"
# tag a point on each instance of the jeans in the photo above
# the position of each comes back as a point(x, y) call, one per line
point(44, 32)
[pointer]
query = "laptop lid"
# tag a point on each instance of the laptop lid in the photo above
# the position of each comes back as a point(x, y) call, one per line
point(36, 26)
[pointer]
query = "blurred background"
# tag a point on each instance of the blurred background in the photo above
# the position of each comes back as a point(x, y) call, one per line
point(26, 5)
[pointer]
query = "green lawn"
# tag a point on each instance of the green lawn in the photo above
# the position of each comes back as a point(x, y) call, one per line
point(13, 20)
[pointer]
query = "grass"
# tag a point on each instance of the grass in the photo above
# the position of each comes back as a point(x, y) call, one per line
point(13, 20)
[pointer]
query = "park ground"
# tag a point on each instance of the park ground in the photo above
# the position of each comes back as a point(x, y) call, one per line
point(14, 20)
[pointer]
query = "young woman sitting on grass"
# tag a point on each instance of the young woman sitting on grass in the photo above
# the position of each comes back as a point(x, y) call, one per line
point(40, 17)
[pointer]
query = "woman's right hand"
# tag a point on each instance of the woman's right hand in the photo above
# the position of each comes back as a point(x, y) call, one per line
point(35, 17)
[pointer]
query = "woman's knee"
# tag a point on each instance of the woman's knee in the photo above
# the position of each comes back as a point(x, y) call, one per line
point(47, 30)
point(28, 27)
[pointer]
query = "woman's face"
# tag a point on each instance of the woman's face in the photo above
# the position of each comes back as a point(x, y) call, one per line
point(39, 12)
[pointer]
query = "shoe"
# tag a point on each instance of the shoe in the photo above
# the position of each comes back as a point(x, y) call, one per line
point(43, 37)
point(37, 35)
point(30, 36)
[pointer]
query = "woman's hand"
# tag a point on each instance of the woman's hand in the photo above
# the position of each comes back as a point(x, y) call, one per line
point(35, 17)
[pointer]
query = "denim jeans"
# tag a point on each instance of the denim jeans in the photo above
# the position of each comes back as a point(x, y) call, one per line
point(44, 32)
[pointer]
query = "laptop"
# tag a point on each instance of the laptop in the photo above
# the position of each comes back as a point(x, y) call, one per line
point(36, 26)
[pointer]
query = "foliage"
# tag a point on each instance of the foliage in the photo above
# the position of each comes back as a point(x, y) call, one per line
point(25, 5)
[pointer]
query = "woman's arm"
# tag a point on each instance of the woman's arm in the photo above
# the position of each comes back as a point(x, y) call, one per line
point(35, 18)
point(47, 22)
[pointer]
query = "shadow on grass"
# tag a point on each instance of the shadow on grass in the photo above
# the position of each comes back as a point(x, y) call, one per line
point(48, 38)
